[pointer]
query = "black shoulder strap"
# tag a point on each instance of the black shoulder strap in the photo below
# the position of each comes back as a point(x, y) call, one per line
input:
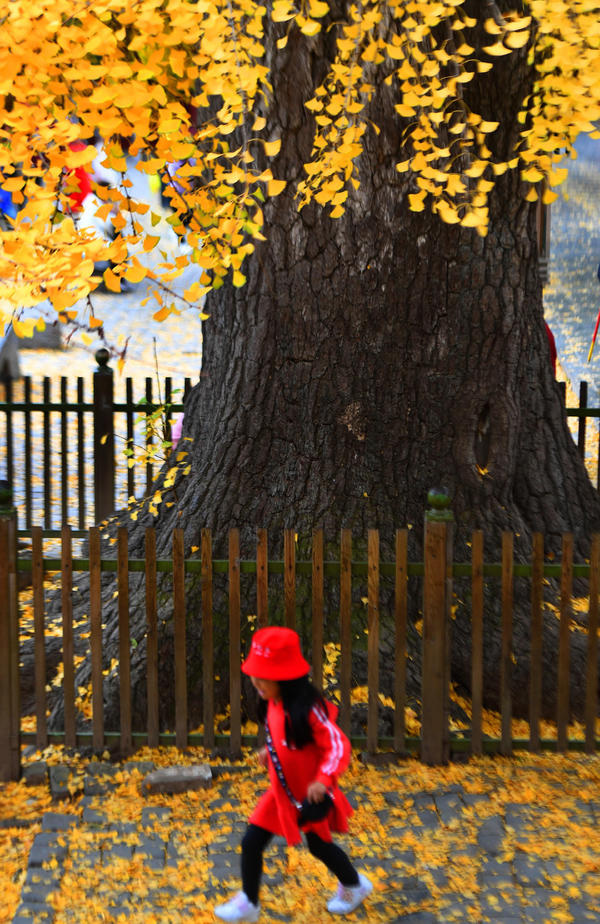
point(278, 767)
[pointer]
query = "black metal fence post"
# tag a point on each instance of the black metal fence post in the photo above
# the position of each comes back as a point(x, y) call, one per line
point(104, 438)
point(10, 699)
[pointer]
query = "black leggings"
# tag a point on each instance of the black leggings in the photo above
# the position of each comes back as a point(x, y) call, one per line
point(256, 839)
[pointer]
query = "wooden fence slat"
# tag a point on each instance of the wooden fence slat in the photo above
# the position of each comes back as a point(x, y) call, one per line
point(476, 641)
point(10, 713)
point(434, 718)
point(124, 641)
point(149, 440)
point(207, 640)
point(129, 434)
point(39, 640)
point(235, 648)
point(151, 638)
point(507, 632)
point(591, 667)
point(564, 643)
point(373, 639)
point(317, 608)
point(66, 580)
point(181, 705)
point(10, 449)
point(47, 456)
point(81, 455)
point(96, 640)
point(289, 577)
point(262, 578)
point(400, 624)
point(535, 687)
point(345, 628)
point(64, 453)
point(27, 422)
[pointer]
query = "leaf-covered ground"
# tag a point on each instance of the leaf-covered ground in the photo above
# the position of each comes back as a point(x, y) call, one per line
point(418, 832)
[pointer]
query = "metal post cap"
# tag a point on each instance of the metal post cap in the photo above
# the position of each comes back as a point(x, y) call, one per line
point(439, 501)
point(102, 356)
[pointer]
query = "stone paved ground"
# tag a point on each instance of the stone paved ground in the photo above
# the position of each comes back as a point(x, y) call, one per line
point(494, 840)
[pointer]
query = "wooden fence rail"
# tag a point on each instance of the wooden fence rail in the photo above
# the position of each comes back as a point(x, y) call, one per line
point(435, 576)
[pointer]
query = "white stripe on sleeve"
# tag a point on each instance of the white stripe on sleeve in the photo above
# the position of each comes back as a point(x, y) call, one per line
point(336, 751)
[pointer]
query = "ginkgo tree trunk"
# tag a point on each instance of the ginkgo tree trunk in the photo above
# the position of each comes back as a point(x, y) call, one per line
point(381, 331)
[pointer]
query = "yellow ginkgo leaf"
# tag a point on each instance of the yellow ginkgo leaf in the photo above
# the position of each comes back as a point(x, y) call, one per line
point(272, 147)
point(111, 281)
point(274, 187)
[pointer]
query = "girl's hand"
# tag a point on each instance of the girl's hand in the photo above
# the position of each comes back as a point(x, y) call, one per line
point(316, 792)
point(262, 757)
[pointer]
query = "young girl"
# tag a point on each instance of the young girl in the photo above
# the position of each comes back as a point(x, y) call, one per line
point(305, 753)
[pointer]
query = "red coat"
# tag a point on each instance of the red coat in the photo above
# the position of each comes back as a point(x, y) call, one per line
point(322, 759)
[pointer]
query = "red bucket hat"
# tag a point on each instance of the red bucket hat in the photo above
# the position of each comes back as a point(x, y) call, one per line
point(275, 655)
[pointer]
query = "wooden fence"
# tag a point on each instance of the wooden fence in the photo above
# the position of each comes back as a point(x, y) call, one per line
point(63, 458)
point(435, 575)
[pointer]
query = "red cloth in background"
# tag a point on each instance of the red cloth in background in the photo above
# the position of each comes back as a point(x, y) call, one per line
point(552, 345)
point(82, 180)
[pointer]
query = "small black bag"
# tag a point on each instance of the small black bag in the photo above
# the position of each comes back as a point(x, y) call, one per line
point(315, 811)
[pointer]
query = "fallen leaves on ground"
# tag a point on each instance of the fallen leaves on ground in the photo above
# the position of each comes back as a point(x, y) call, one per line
point(388, 839)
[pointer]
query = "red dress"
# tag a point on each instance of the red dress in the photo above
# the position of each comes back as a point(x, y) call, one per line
point(322, 759)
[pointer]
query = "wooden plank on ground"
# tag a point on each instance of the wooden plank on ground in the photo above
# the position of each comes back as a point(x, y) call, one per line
point(564, 642)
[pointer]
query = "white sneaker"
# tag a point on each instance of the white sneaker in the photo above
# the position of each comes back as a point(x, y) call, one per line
point(347, 898)
point(238, 908)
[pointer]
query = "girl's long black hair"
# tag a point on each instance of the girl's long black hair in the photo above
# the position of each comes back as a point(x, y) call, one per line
point(298, 697)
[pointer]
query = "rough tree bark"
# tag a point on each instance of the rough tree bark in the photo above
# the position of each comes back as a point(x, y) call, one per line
point(370, 358)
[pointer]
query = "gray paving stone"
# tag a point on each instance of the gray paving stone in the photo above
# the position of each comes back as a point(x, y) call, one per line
point(39, 884)
point(94, 817)
point(36, 773)
point(58, 821)
point(394, 798)
point(448, 806)
point(85, 858)
point(116, 852)
point(33, 914)
point(428, 817)
point(581, 912)
point(529, 872)
point(46, 847)
point(62, 785)
point(151, 814)
point(491, 835)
